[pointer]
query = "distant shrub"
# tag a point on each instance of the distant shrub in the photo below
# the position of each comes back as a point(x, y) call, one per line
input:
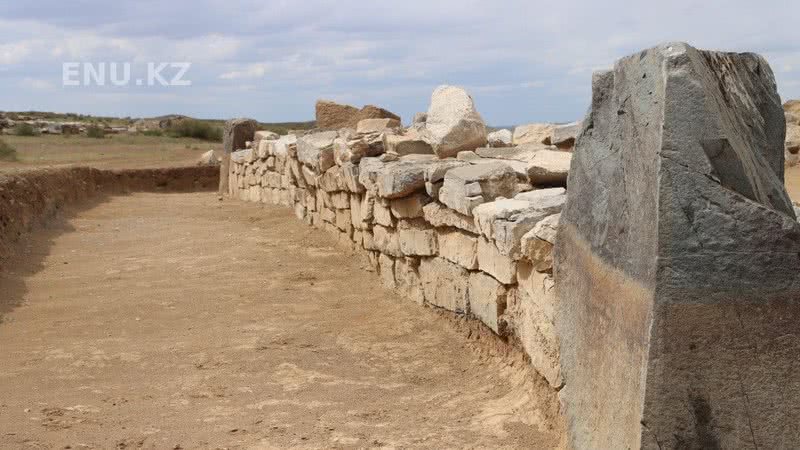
point(197, 129)
point(25, 129)
point(157, 133)
point(7, 152)
point(93, 131)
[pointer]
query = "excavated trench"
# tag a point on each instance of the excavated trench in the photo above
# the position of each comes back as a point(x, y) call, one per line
point(175, 320)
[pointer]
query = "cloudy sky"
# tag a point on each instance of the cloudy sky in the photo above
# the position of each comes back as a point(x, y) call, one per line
point(523, 61)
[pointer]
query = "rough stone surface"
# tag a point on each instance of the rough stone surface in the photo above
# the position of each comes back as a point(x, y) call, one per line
point(376, 125)
point(491, 261)
point(234, 136)
point(532, 133)
point(549, 168)
point(563, 136)
point(408, 143)
point(676, 261)
point(487, 300)
point(505, 221)
point(459, 247)
point(453, 124)
point(468, 186)
point(445, 284)
point(316, 150)
point(500, 138)
point(416, 239)
point(332, 115)
point(440, 216)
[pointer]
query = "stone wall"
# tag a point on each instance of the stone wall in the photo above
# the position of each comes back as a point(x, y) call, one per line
point(470, 234)
point(31, 198)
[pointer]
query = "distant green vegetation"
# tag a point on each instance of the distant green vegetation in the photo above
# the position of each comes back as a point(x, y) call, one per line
point(286, 127)
point(197, 129)
point(25, 129)
point(93, 131)
point(7, 152)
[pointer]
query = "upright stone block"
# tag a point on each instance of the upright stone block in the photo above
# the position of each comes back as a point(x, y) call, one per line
point(676, 262)
point(235, 134)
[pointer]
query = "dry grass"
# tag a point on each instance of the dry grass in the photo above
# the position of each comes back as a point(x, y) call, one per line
point(111, 152)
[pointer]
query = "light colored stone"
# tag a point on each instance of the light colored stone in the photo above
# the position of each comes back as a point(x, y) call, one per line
point(563, 136)
point(416, 239)
point(407, 280)
point(385, 240)
point(533, 133)
point(209, 158)
point(445, 284)
point(409, 142)
point(503, 268)
point(549, 168)
point(453, 124)
point(466, 187)
point(316, 150)
point(382, 213)
point(409, 207)
point(376, 125)
point(440, 216)
point(386, 271)
point(547, 228)
point(487, 301)
point(500, 138)
point(458, 247)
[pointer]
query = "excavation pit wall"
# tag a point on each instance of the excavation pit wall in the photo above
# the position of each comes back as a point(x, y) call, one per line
point(31, 199)
point(489, 267)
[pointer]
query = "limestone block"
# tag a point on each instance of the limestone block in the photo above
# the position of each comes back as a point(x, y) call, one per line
point(453, 124)
point(500, 138)
point(549, 168)
point(409, 207)
point(533, 133)
point(458, 247)
point(409, 142)
point(502, 267)
point(407, 279)
point(382, 213)
point(563, 136)
point(386, 240)
point(349, 172)
point(343, 220)
point(438, 215)
point(386, 271)
point(487, 301)
point(445, 284)
point(316, 150)
point(416, 239)
point(468, 186)
point(376, 125)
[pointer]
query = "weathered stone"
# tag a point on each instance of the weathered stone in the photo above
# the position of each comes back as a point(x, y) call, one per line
point(676, 261)
point(505, 221)
point(386, 271)
point(529, 313)
point(468, 186)
point(538, 251)
point(264, 135)
point(401, 178)
point(487, 301)
point(350, 177)
point(533, 133)
point(385, 240)
point(440, 216)
point(382, 213)
point(467, 155)
point(547, 228)
point(453, 124)
point(549, 168)
point(420, 118)
point(445, 284)
point(376, 125)
point(316, 150)
point(332, 115)
point(458, 247)
point(409, 207)
point(500, 138)
point(332, 180)
point(408, 143)
point(491, 261)
point(235, 133)
point(563, 136)
point(416, 239)
point(407, 279)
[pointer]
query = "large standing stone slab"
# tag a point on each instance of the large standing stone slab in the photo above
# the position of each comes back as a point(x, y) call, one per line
point(676, 262)
point(234, 136)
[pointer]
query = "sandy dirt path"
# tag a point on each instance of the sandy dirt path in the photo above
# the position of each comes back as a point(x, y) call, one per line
point(133, 325)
